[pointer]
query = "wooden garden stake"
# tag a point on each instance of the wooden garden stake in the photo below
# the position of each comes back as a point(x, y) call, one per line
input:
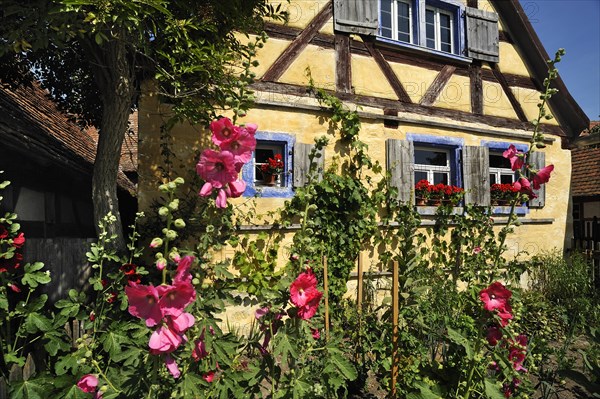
point(395, 292)
point(326, 288)
point(359, 299)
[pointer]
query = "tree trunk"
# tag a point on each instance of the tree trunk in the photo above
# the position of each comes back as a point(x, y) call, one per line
point(115, 79)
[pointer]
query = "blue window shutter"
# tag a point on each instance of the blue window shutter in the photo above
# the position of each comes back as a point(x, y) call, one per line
point(356, 16)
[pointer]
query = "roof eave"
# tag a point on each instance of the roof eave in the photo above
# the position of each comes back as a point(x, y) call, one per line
point(566, 110)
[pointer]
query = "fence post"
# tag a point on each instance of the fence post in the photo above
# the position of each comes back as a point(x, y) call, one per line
point(395, 297)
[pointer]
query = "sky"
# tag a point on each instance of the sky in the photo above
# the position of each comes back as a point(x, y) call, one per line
point(575, 26)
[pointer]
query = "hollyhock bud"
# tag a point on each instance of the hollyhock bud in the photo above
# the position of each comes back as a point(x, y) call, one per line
point(171, 234)
point(209, 377)
point(178, 180)
point(294, 257)
point(174, 205)
point(163, 211)
point(179, 223)
point(161, 263)
point(14, 287)
point(156, 242)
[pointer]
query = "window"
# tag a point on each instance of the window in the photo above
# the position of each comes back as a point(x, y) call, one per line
point(432, 165)
point(277, 146)
point(397, 20)
point(439, 29)
point(500, 170)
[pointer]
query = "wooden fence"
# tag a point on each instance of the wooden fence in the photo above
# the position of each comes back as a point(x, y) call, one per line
point(65, 259)
point(590, 249)
point(74, 331)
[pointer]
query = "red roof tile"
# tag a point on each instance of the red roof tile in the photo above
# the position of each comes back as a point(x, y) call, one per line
point(585, 175)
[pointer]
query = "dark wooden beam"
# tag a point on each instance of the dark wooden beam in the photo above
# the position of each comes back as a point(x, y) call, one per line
point(398, 55)
point(288, 56)
point(343, 65)
point(511, 96)
point(383, 103)
point(388, 72)
point(437, 86)
point(472, 3)
point(476, 88)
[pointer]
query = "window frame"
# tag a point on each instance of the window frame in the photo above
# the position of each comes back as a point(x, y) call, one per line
point(499, 172)
point(432, 169)
point(394, 21)
point(453, 146)
point(437, 26)
point(496, 147)
point(453, 8)
point(284, 189)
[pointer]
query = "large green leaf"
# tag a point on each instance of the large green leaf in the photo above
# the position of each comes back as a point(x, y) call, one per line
point(460, 339)
point(36, 388)
point(344, 367)
point(491, 389)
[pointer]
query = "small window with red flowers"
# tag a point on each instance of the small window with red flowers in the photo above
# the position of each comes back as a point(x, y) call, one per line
point(269, 165)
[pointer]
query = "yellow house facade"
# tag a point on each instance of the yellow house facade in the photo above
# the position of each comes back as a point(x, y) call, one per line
point(450, 83)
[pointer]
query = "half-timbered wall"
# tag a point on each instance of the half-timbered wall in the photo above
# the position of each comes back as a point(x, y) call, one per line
point(403, 94)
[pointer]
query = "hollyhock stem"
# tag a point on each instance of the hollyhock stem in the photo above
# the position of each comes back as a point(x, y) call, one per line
point(506, 227)
point(21, 322)
point(95, 363)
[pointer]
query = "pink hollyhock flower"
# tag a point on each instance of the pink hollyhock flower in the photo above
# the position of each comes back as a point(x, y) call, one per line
point(542, 176)
point(505, 315)
point(259, 313)
point(88, 383)
point(523, 186)
point(199, 352)
point(174, 298)
point(241, 146)
point(183, 275)
point(493, 335)
point(19, 240)
point(302, 288)
point(164, 340)
point(144, 303)
point(181, 323)
point(251, 128)
point(206, 190)
point(236, 188)
point(495, 296)
point(172, 366)
point(315, 333)
point(515, 157)
point(209, 377)
point(217, 168)
point(517, 352)
point(223, 131)
point(310, 308)
point(221, 201)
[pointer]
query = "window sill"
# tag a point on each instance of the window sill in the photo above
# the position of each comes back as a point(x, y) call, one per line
point(416, 49)
point(432, 210)
point(505, 210)
point(268, 192)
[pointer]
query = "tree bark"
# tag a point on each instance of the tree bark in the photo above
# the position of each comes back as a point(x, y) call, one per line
point(115, 78)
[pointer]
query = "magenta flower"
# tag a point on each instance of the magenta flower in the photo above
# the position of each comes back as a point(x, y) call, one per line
point(236, 188)
point(183, 275)
point(88, 383)
point(495, 296)
point(515, 157)
point(223, 131)
point(164, 340)
point(261, 312)
point(209, 377)
point(517, 352)
point(161, 263)
point(505, 315)
point(302, 289)
point(251, 128)
point(221, 201)
point(493, 335)
point(181, 323)
point(315, 333)
point(143, 303)
point(217, 168)
point(174, 298)
point(524, 187)
point(307, 311)
point(172, 366)
point(206, 190)
point(241, 146)
point(199, 352)
point(19, 240)
point(542, 176)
